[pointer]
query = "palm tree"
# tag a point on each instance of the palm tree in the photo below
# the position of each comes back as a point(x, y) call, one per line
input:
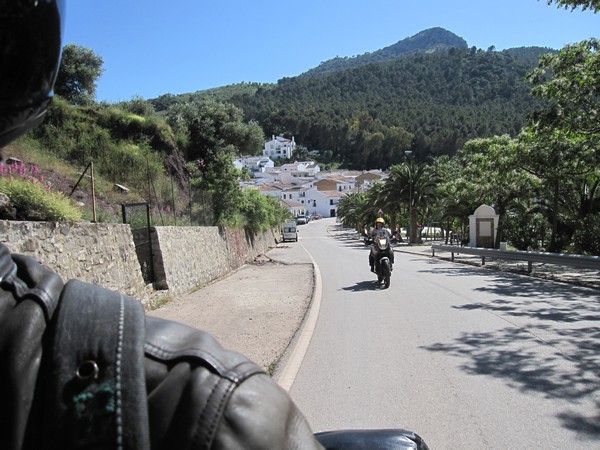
point(351, 210)
point(412, 184)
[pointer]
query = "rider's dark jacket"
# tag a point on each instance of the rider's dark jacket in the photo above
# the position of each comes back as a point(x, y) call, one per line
point(83, 367)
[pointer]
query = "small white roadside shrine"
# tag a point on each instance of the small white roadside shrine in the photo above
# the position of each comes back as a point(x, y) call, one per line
point(483, 225)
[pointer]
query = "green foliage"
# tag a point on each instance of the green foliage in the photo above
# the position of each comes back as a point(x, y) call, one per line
point(115, 140)
point(568, 82)
point(79, 69)
point(261, 212)
point(216, 174)
point(366, 115)
point(137, 105)
point(354, 211)
point(220, 94)
point(491, 167)
point(587, 237)
point(412, 184)
point(33, 199)
point(560, 145)
point(593, 5)
point(427, 41)
point(208, 124)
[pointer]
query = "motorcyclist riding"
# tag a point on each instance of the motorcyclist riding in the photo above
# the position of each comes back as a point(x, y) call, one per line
point(379, 230)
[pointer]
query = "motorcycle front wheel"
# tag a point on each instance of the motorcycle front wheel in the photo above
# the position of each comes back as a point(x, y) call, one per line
point(385, 269)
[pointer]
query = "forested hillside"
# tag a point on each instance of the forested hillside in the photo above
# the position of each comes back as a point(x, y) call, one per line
point(427, 41)
point(429, 93)
point(432, 103)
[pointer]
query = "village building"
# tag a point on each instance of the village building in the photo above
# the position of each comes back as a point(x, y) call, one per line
point(279, 148)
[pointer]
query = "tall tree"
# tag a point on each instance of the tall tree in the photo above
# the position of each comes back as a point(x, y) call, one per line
point(353, 210)
point(562, 141)
point(491, 168)
point(206, 124)
point(456, 197)
point(79, 69)
point(414, 184)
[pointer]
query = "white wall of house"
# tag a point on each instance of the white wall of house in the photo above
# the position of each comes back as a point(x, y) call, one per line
point(257, 165)
point(323, 202)
point(279, 148)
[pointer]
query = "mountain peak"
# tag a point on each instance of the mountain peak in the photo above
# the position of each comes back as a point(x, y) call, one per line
point(426, 41)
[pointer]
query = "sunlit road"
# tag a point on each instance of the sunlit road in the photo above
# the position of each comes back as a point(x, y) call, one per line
point(467, 358)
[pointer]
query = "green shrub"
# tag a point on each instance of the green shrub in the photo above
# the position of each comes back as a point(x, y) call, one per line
point(587, 237)
point(34, 198)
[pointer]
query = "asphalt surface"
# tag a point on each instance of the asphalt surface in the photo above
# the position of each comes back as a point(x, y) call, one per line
point(258, 309)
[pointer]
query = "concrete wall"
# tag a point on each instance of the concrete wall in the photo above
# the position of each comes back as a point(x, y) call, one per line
point(105, 254)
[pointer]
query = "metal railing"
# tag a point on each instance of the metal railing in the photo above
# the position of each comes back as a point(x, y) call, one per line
point(561, 259)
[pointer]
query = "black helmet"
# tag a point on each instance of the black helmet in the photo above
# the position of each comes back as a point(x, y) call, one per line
point(30, 49)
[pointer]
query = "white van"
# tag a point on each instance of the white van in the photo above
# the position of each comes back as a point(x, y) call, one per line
point(290, 232)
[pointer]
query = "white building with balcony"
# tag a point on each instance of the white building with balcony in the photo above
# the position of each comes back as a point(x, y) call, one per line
point(279, 148)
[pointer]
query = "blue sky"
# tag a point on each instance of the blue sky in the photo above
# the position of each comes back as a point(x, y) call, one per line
point(155, 47)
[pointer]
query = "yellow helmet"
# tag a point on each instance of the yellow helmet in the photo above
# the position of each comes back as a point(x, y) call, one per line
point(379, 220)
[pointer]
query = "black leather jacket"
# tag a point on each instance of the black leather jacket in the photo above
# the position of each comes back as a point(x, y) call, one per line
point(77, 373)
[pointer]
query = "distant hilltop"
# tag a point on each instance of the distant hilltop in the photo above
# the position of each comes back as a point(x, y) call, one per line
point(427, 41)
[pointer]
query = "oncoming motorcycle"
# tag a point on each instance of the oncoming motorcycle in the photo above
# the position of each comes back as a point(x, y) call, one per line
point(382, 255)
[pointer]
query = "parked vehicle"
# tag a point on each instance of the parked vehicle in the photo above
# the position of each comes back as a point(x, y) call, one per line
point(382, 249)
point(290, 233)
point(301, 220)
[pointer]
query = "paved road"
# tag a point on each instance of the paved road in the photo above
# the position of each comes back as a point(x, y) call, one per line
point(468, 358)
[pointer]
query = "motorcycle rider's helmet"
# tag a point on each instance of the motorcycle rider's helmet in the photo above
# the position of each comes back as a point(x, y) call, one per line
point(30, 50)
point(379, 220)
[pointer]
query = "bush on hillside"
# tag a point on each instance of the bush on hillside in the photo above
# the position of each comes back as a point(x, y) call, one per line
point(33, 199)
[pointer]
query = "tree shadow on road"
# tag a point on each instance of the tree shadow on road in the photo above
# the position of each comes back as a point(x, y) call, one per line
point(562, 317)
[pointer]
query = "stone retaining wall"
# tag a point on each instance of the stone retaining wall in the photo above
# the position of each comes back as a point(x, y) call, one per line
point(99, 253)
point(105, 254)
point(193, 256)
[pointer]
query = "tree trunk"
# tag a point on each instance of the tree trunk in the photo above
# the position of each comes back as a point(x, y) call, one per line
point(554, 216)
point(413, 225)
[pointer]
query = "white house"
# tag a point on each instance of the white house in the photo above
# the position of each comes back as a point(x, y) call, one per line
point(323, 203)
point(257, 165)
point(279, 148)
point(336, 183)
point(295, 208)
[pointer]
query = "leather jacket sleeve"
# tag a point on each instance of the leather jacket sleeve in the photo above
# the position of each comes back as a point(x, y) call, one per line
point(199, 395)
point(202, 396)
point(29, 295)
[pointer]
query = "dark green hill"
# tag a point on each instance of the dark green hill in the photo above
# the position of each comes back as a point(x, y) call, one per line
point(429, 92)
point(434, 101)
point(427, 41)
point(221, 94)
